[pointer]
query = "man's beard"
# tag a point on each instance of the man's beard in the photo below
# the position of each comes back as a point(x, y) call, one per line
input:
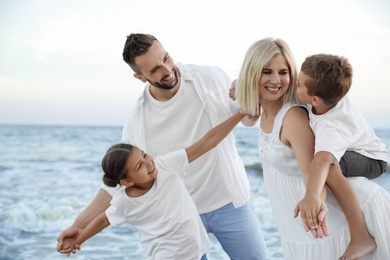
point(164, 86)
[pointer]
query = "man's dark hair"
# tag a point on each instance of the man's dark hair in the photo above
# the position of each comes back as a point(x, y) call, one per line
point(136, 44)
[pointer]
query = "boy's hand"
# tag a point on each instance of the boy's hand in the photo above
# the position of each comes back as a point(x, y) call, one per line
point(322, 230)
point(309, 208)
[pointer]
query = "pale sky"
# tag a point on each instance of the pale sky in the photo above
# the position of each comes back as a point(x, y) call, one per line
point(61, 61)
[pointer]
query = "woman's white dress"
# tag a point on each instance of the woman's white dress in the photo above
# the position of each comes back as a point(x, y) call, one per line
point(285, 188)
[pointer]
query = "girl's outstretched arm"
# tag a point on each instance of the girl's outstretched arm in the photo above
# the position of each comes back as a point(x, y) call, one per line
point(97, 225)
point(213, 137)
point(95, 208)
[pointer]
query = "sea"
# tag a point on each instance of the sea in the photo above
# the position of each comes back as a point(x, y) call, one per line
point(49, 174)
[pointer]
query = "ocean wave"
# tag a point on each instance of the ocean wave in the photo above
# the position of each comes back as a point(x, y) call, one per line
point(254, 168)
point(26, 218)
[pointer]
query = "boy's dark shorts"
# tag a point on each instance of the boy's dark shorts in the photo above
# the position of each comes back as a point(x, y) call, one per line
point(353, 164)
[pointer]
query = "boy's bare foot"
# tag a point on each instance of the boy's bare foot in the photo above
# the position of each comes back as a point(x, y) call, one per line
point(358, 248)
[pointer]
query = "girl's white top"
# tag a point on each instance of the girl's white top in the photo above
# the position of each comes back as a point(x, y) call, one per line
point(166, 217)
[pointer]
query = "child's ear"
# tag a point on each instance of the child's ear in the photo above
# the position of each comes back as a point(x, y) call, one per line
point(140, 77)
point(316, 101)
point(126, 183)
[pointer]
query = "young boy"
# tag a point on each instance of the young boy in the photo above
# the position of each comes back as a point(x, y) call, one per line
point(154, 198)
point(344, 144)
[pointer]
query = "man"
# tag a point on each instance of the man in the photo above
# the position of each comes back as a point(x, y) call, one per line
point(179, 105)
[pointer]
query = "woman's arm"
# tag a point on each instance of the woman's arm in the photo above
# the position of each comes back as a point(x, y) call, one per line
point(213, 137)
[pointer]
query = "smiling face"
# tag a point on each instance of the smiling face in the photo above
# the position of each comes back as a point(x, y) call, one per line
point(140, 169)
point(275, 79)
point(157, 67)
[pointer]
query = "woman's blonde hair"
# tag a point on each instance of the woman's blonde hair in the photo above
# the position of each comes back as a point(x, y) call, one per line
point(257, 57)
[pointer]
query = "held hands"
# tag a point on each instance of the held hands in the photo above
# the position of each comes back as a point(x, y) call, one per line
point(67, 241)
point(309, 207)
point(322, 229)
point(313, 214)
point(70, 249)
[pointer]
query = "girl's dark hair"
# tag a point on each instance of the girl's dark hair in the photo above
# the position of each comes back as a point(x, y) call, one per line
point(114, 164)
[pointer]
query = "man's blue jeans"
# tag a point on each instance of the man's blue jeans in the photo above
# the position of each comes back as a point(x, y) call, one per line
point(238, 231)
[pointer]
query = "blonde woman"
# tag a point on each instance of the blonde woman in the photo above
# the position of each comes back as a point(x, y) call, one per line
point(266, 89)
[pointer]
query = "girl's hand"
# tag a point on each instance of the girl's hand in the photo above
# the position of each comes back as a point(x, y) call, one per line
point(249, 120)
point(67, 240)
point(232, 90)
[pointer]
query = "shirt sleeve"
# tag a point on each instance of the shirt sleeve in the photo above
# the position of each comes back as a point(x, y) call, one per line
point(115, 212)
point(175, 162)
point(330, 140)
point(110, 190)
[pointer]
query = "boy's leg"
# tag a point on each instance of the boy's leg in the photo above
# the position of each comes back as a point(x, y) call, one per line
point(354, 164)
point(361, 242)
point(238, 231)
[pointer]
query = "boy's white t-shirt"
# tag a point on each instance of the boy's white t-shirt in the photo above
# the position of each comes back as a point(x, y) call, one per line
point(166, 217)
point(343, 129)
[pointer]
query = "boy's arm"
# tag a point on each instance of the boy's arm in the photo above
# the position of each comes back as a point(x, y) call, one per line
point(297, 133)
point(311, 205)
point(97, 225)
point(213, 137)
point(319, 169)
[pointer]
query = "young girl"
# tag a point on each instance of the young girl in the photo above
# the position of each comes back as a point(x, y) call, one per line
point(154, 199)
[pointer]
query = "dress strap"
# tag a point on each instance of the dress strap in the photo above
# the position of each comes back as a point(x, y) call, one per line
point(278, 122)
